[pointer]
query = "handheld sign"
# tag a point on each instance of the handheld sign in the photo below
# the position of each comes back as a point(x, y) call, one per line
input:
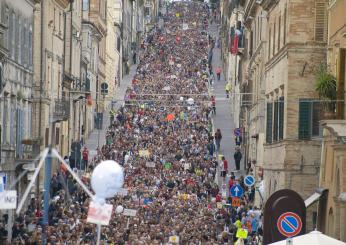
point(130, 212)
point(249, 180)
point(99, 214)
point(237, 191)
point(236, 202)
point(8, 200)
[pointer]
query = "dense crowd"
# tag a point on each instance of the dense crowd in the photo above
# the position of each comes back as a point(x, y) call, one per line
point(163, 138)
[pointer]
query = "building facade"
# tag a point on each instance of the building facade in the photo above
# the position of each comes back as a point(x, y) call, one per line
point(296, 38)
point(16, 84)
point(113, 44)
point(51, 97)
point(253, 82)
point(332, 204)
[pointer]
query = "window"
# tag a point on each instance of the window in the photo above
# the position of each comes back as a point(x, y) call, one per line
point(85, 6)
point(269, 122)
point(19, 41)
point(118, 44)
point(89, 40)
point(30, 47)
point(274, 35)
point(281, 117)
point(11, 35)
point(320, 20)
point(279, 32)
point(285, 23)
point(269, 45)
point(309, 117)
point(275, 120)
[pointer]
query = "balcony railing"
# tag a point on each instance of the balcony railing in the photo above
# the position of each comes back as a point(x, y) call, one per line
point(61, 110)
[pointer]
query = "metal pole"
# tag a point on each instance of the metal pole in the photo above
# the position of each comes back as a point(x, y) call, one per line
point(47, 180)
point(98, 234)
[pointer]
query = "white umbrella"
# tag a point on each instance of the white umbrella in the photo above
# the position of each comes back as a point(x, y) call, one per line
point(314, 237)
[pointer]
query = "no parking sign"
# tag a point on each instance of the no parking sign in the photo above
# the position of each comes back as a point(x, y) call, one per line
point(289, 224)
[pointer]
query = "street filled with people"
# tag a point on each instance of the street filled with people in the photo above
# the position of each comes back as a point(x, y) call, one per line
point(163, 137)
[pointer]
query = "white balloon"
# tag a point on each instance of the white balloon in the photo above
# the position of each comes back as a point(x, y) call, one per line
point(119, 209)
point(106, 179)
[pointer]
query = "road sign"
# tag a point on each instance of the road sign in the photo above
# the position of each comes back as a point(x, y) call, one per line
point(8, 200)
point(237, 191)
point(236, 202)
point(237, 132)
point(99, 214)
point(289, 224)
point(249, 180)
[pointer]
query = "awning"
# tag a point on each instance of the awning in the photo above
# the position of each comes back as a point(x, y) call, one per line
point(314, 197)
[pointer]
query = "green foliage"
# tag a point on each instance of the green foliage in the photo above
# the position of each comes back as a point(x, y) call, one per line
point(325, 83)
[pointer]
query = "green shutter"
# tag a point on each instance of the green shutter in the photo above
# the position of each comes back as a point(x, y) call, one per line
point(281, 117)
point(304, 120)
point(269, 135)
point(276, 118)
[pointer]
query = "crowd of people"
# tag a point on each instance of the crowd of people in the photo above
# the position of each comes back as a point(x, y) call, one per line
point(164, 139)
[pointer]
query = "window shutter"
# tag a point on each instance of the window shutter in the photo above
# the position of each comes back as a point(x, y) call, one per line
point(269, 122)
point(304, 120)
point(320, 20)
point(276, 123)
point(281, 117)
point(340, 83)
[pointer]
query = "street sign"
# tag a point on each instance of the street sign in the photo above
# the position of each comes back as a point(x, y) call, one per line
point(249, 180)
point(236, 202)
point(99, 214)
point(284, 216)
point(237, 191)
point(237, 132)
point(130, 212)
point(289, 224)
point(8, 200)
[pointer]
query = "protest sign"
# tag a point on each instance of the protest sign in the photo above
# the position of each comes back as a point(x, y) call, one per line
point(8, 200)
point(130, 212)
point(99, 214)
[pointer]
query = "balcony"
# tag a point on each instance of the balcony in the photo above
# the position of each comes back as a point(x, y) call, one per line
point(61, 110)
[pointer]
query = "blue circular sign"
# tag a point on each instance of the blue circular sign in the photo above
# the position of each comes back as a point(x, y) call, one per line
point(237, 191)
point(249, 180)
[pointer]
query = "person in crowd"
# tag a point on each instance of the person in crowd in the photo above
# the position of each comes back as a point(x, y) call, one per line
point(218, 138)
point(237, 158)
